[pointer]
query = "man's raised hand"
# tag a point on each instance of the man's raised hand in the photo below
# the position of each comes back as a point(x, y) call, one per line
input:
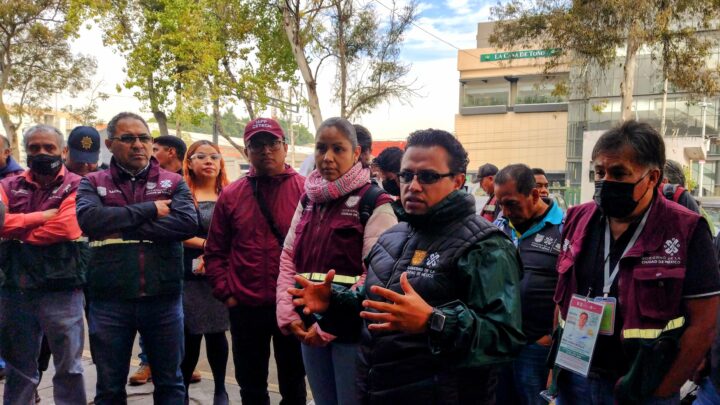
point(406, 312)
point(314, 296)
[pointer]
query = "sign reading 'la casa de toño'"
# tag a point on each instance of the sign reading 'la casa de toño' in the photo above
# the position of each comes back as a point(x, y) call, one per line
point(535, 53)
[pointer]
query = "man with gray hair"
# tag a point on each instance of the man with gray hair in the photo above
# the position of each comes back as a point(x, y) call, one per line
point(44, 261)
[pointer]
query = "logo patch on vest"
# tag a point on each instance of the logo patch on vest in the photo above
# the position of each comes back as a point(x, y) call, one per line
point(352, 201)
point(166, 183)
point(102, 191)
point(418, 257)
point(151, 185)
point(671, 249)
point(433, 260)
point(672, 246)
point(539, 238)
point(566, 245)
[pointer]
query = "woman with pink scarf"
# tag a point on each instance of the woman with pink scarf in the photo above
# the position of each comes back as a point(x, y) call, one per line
point(327, 233)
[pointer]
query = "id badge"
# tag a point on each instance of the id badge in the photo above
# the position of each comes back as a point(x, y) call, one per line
point(580, 335)
point(607, 325)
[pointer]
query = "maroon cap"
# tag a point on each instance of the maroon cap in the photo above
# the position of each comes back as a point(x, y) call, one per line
point(260, 125)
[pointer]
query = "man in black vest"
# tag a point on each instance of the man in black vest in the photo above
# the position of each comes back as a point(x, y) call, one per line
point(442, 296)
point(533, 224)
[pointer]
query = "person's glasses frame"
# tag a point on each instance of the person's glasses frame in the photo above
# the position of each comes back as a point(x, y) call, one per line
point(423, 176)
point(131, 139)
point(273, 145)
point(202, 156)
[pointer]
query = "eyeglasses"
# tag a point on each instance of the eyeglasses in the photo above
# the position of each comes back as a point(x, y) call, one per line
point(201, 156)
point(423, 176)
point(273, 145)
point(129, 139)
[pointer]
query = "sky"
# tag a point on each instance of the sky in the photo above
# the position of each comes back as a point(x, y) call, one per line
point(433, 71)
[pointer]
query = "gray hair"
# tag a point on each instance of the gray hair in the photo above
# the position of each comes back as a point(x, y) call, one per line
point(112, 125)
point(342, 125)
point(673, 171)
point(30, 132)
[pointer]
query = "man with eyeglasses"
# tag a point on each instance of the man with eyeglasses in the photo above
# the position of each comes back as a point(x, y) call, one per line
point(136, 215)
point(242, 259)
point(441, 300)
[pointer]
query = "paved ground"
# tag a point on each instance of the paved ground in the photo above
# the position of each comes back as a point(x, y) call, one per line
point(200, 393)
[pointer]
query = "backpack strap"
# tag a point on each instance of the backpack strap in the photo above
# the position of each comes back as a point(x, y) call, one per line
point(678, 193)
point(368, 202)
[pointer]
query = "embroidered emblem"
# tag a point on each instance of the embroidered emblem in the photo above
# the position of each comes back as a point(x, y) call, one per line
point(539, 238)
point(165, 184)
point(672, 246)
point(352, 201)
point(566, 245)
point(151, 185)
point(86, 142)
point(418, 257)
point(433, 259)
point(548, 240)
point(102, 191)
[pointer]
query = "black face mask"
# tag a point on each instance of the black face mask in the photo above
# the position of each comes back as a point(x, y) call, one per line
point(391, 186)
point(615, 198)
point(46, 165)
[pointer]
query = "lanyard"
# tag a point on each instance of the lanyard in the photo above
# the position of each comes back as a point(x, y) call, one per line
point(610, 278)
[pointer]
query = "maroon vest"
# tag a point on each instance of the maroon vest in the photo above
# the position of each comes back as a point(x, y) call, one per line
point(118, 189)
point(330, 235)
point(25, 196)
point(651, 276)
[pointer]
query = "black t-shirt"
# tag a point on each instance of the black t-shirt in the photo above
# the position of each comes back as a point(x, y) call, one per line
point(609, 358)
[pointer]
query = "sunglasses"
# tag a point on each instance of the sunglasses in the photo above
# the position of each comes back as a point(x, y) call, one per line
point(260, 146)
point(201, 156)
point(130, 139)
point(423, 176)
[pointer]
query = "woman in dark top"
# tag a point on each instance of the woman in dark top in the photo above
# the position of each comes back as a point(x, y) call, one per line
point(205, 174)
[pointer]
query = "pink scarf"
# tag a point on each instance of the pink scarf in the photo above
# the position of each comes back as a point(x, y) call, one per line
point(320, 190)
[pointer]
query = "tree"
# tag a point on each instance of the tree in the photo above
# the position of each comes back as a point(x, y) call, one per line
point(135, 29)
point(366, 51)
point(35, 57)
point(589, 33)
point(87, 114)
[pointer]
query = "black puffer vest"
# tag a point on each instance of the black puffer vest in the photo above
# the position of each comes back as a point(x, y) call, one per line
point(396, 365)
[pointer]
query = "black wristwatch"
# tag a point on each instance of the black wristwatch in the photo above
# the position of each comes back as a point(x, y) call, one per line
point(436, 322)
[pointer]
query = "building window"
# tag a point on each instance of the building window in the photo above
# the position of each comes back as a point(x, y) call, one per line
point(490, 92)
point(538, 90)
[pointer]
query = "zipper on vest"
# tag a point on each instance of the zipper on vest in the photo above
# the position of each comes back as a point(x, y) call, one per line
point(141, 248)
point(407, 242)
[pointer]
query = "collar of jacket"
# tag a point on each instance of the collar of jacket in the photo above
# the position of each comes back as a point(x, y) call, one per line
point(121, 173)
point(456, 205)
point(11, 166)
point(554, 216)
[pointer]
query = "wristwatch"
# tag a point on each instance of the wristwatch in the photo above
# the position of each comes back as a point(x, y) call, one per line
point(436, 322)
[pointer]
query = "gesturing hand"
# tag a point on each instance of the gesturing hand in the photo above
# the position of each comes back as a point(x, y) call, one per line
point(163, 208)
point(407, 313)
point(314, 296)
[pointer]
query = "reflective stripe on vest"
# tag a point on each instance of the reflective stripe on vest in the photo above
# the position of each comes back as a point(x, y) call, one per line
point(82, 239)
point(644, 333)
point(99, 243)
point(337, 279)
point(653, 333)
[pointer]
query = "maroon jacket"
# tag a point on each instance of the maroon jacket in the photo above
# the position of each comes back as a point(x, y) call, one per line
point(650, 281)
point(242, 255)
